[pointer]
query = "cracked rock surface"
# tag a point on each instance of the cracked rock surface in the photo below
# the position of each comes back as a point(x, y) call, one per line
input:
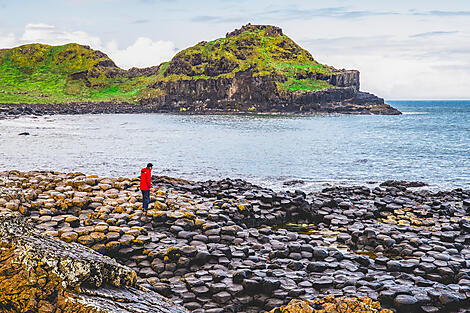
point(230, 246)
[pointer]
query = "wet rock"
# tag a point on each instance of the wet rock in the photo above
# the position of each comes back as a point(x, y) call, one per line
point(393, 266)
point(322, 282)
point(222, 297)
point(320, 253)
point(200, 291)
point(447, 298)
point(317, 267)
point(250, 285)
point(405, 303)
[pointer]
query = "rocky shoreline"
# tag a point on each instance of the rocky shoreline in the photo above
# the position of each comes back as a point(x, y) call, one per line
point(10, 110)
point(45, 275)
point(230, 246)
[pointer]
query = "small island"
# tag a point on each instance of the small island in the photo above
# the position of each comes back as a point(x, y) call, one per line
point(254, 69)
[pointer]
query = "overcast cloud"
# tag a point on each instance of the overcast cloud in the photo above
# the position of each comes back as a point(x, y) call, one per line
point(404, 49)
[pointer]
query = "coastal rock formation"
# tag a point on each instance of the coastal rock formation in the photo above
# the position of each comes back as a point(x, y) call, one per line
point(43, 274)
point(231, 246)
point(258, 69)
point(254, 69)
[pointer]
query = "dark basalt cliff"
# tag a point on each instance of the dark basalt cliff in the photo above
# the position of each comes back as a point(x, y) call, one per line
point(246, 93)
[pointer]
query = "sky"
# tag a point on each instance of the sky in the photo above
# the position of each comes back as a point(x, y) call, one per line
point(415, 49)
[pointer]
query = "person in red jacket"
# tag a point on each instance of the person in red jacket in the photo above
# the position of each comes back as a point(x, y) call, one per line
point(146, 185)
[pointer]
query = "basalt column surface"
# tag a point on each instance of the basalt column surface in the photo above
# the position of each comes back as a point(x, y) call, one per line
point(230, 246)
point(41, 274)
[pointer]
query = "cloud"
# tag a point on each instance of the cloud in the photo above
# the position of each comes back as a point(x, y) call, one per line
point(206, 18)
point(143, 52)
point(49, 34)
point(293, 14)
point(423, 67)
point(309, 14)
point(219, 19)
point(84, 1)
point(435, 33)
point(334, 12)
point(7, 40)
point(443, 13)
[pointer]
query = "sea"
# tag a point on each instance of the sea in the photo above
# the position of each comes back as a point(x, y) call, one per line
point(430, 142)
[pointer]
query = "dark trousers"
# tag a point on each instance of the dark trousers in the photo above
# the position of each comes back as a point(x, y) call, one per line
point(145, 199)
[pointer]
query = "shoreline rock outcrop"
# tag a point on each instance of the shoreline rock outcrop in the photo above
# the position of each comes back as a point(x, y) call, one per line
point(43, 274)
point(330, 304)
point(231, 246)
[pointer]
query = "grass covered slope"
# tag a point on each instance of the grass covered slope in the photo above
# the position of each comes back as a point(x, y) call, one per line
point(38, 73)
point(259, 49)
point(253, 62)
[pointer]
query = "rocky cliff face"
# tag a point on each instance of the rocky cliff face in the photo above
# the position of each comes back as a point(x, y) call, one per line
point(248, 93)
point(258, 69)
point(42, 274)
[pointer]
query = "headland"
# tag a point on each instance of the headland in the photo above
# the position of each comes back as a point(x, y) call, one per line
point(254, 69)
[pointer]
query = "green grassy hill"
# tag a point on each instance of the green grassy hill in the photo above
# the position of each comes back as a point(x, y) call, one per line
point(38, 73)
point(262, 50)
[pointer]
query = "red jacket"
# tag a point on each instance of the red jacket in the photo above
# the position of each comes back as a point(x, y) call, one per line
point(145, 179)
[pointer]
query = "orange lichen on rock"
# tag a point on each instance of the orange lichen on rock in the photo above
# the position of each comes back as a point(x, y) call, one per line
point(331, 304)
point(41, 274)
point(295, 306)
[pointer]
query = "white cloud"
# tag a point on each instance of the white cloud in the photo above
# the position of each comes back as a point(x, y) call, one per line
point(143, 52)
point(403, 67)
point(409, 78)
point(49, 34)
point(7, 41)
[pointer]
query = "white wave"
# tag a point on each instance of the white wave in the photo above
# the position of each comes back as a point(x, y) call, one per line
point(414, 113)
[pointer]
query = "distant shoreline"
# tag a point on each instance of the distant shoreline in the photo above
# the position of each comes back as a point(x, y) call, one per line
point(21, 109)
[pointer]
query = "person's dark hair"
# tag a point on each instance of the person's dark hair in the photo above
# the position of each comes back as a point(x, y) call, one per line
point(149, 165)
